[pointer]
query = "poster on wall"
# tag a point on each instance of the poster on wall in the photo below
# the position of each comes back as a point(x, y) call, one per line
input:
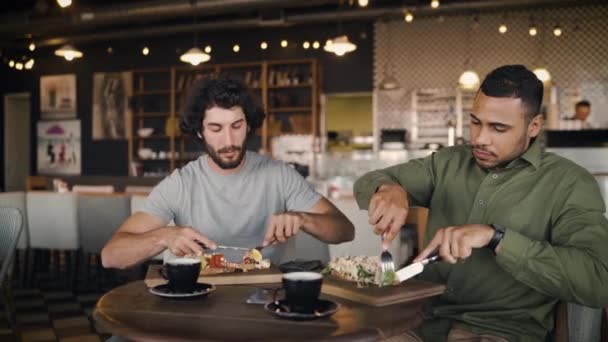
point(58, 97)
point(111, 111)
point(58, 150)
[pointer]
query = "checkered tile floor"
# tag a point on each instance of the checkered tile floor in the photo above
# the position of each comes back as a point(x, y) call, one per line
point(49, 310)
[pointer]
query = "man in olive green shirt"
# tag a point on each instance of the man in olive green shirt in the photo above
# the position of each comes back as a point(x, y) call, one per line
point(541, 215)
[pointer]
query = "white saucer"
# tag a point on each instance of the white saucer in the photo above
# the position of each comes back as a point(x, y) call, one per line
point(163, 290)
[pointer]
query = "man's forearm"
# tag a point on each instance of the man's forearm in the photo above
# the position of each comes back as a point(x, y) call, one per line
point(127, 249)
point(330, 227)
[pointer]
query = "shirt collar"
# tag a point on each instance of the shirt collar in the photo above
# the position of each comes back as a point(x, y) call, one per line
point(532, 154)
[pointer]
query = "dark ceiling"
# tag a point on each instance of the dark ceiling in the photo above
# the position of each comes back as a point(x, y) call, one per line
point(95, 20)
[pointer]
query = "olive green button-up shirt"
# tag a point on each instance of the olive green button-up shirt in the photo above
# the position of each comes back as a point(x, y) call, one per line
point(555, 246)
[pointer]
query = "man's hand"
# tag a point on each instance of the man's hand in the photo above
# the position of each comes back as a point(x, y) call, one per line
point(185, 240)
point(283, 226)
point(387, 211)
point(457, 243)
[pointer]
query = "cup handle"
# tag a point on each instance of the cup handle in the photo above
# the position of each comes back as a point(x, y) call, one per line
point(275, 300)
point(274, 295)
point(163, 272)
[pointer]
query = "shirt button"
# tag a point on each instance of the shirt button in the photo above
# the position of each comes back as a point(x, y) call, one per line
point(494, 176)
point(480, 202)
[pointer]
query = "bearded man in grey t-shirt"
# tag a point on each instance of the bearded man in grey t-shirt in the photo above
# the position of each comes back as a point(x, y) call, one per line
point(227, 196)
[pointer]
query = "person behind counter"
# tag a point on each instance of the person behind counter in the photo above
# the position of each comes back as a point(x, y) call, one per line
point(582, 111)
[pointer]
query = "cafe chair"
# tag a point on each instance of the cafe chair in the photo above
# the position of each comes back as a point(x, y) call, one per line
point(11, 225)
point(53, 223)
point(17, 200)
point(99, 216)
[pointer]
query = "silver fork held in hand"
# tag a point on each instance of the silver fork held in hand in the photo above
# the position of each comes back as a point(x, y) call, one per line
point(386, 259)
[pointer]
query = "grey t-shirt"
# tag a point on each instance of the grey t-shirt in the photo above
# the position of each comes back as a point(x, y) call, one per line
point(232, 209)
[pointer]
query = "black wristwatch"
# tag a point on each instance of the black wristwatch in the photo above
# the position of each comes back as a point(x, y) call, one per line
point(499, 233)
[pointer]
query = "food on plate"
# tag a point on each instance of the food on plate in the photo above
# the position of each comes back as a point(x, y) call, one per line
point(252, 260)
point(364, 270)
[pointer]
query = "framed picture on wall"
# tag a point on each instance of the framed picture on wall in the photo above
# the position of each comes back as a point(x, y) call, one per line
point(111, 110)
point(58, 97)
point(59, 147)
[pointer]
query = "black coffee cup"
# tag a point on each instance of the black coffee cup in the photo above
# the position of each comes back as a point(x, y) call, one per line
point(302, 290)
point(182, 274)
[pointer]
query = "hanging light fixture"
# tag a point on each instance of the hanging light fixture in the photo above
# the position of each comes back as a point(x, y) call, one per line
point(541, 71)
point(64, 3)
point(390, 84)
point(68, 52)
point(195, 56)
point(340, 45)
point(469, 79)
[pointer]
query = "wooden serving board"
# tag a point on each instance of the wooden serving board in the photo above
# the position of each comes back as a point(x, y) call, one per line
point(219, 277)
point(408, 291)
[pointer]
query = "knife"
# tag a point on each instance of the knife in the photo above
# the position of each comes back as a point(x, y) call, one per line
point(416, 268)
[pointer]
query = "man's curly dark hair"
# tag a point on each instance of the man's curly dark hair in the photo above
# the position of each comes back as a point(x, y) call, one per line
point(224, 92)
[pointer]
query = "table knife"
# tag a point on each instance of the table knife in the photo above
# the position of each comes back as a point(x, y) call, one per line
point(416, 268)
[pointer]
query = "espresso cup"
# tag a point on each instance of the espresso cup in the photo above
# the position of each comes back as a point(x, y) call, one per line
point(302, 290)
point(182, 274)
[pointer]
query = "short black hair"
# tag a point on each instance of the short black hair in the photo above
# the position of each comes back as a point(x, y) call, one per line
point(583, 103)
point(221, 91)
point(515, 81)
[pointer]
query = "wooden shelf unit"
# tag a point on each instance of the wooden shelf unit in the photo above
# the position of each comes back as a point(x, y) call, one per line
point(287, 90)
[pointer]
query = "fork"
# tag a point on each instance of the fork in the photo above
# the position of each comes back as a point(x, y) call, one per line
point(386, 260)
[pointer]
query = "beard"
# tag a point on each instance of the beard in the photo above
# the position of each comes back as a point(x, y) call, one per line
point(226, 164)
point(500, 162)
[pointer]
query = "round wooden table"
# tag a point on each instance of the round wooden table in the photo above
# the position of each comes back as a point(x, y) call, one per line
point(132, 312)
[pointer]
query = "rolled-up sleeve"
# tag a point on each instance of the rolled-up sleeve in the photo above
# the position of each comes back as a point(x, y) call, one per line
point(416, 176)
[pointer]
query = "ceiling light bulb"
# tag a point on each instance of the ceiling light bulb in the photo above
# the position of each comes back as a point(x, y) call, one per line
point(533, 31)
point(283, 43)
point(29, 64)
point(263, 45)
point(435, 4)
point(502, 28)
point(316, 45)
point(19, 66)
point(194, 56)
point(64, 3)
point(542, 74)
point(469, 79)
point(236, 48)
point(306, 45)
point(363, 3)
point(32, 46)
point(557, 31)
point(409, 17)
point(11, 63)
point(145, 51)
point(208, 49)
